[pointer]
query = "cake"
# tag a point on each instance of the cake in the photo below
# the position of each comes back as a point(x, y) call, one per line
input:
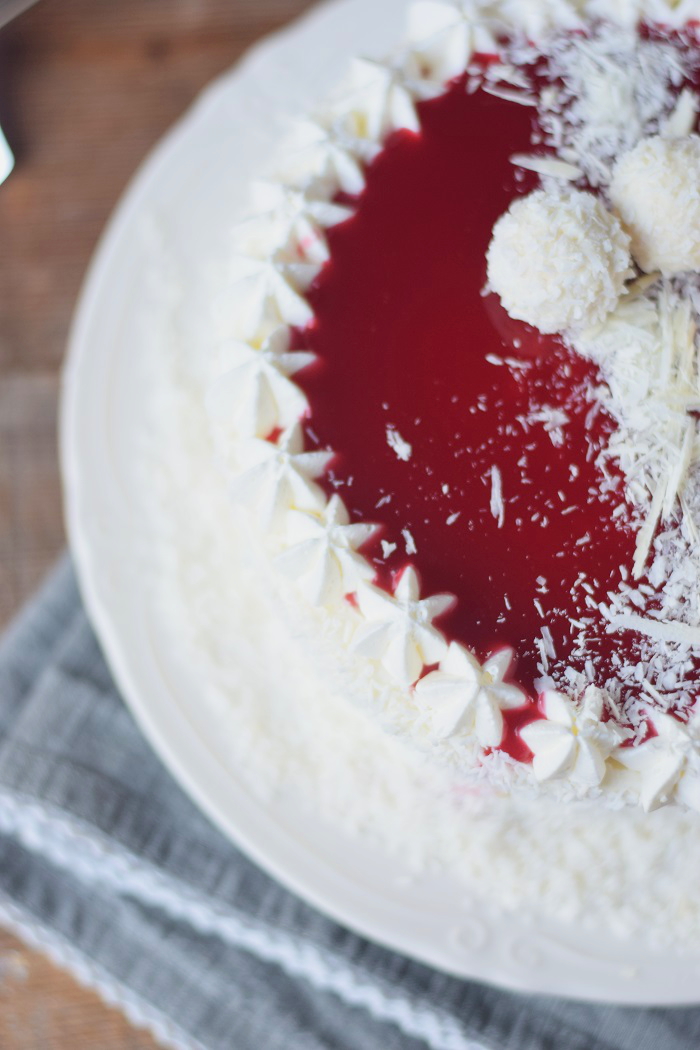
point(455, 394)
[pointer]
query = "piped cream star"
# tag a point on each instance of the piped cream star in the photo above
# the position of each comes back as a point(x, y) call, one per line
point(324, 155)
point(278, 476)
point(265, 293)
point(669, 763)
point(383, 95)
point(571, 741)
point(322, 554)
point(464, 695)
point(254, 394)
point(444, 34)
point(289, 216)
point(399, 632)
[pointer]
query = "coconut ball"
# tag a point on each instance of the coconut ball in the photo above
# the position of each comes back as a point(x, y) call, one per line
point(558, 260)
point(655, 190)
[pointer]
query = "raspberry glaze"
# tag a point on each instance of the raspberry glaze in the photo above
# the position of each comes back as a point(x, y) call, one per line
point(403, 336)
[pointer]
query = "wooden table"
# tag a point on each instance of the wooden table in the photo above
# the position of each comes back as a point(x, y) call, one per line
point(86, 87)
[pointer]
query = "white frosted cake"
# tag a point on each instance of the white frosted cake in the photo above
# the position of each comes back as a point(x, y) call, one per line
point(455, 392)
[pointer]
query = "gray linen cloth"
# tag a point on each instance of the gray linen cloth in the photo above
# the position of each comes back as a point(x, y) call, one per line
point(106, 865)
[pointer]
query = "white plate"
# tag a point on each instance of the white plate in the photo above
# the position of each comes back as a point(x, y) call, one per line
point(105, 410)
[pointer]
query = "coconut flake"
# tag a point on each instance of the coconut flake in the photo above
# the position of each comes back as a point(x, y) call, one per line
point(682, 119)
point(547, 165)
point(497, 506)
point(409, 541)
point(402, 448)
point(660, 630)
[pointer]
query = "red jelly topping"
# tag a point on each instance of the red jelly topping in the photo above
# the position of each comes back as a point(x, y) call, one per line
point(408, 344)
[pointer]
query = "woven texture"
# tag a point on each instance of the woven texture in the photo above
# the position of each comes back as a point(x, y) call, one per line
point(107, 865)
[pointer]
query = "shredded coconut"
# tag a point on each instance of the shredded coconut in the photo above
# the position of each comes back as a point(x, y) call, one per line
point(607, 91)
point(613, 97)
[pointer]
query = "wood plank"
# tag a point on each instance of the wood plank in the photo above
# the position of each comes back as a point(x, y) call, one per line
point(42, 1008)
point(31, 523)
point(87, 88)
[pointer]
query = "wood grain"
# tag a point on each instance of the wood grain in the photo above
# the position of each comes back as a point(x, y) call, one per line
point(43, 1009)
point(86, 88)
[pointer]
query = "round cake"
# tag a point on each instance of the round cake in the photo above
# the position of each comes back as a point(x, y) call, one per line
point(455, 392)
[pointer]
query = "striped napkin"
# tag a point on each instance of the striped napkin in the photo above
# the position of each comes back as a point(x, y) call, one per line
point(108, 867)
